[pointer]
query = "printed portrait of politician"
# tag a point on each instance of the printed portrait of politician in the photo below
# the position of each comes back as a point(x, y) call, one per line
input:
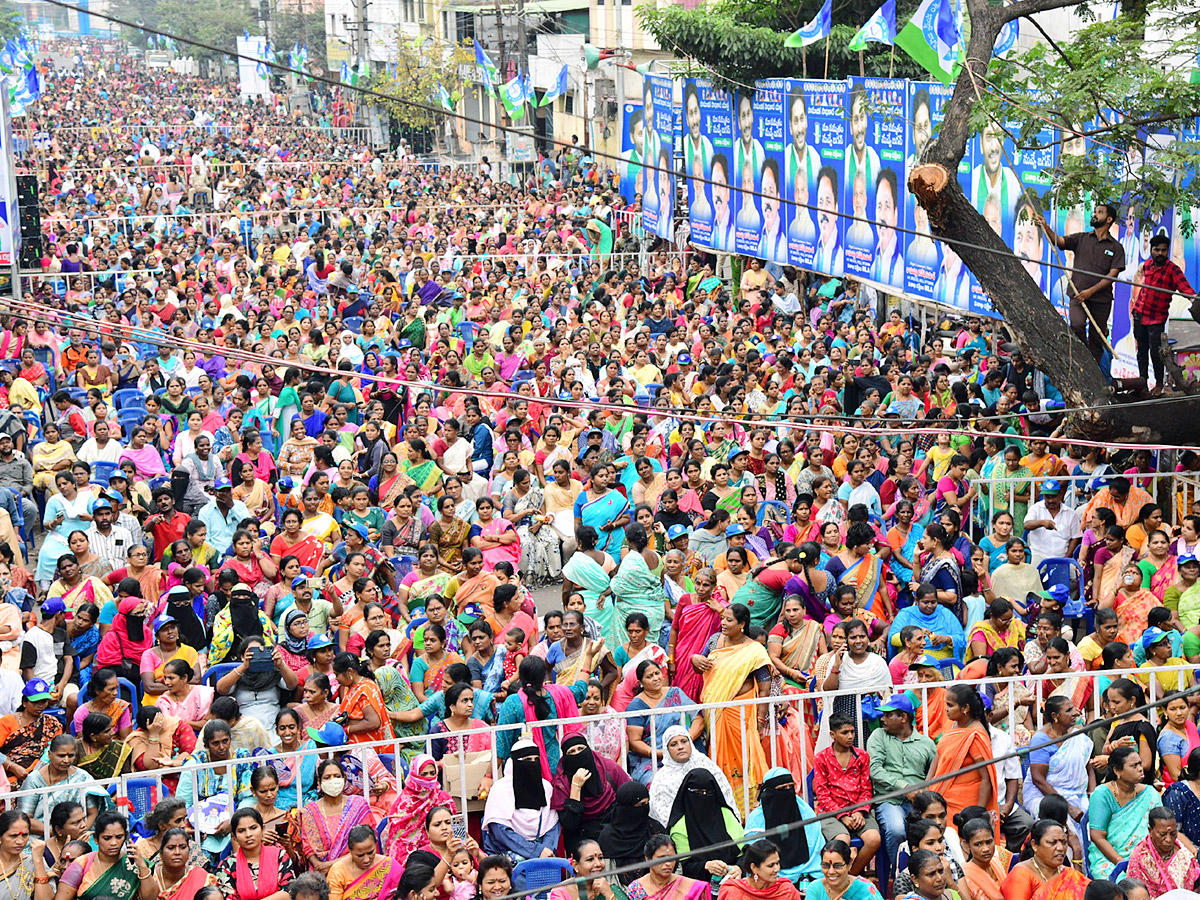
point(889, 262)
point(922, 249)
point(829, 258)
point(631, 166)
point(858, 231)
point(860, 157)
point(1060, 290)
point(697, 153)
point(922, 132)
point(666, 196)
point(773, 245)
point(1028, 241)
point(722, 226)
point(801, 162)
point(991, 178)
point(748, 152)
point(651, 143)
point(953, 286)
point(748, 218)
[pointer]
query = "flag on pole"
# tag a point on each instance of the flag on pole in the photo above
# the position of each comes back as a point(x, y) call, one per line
point(561, 86)
point(1195, 79)
point(444, 98)
point(815, 30)
point(513, 96)
point(931, 38)
point(487, 67)
point(880, 28)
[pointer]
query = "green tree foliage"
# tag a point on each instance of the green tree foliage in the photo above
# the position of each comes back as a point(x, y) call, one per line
point(220, 25)
point(418, 68)
point(288, 28)
point(10, 20)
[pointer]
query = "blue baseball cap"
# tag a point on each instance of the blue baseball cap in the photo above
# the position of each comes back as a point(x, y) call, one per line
point(898, 703)
point(734, 531)
point(1152, 636)
point(222, 484)
point(1185, 559)
point(684, 359)
point(1059, 592)
point(1051, 486)
point(162, 621)
point(319, 641)
point(677, 531)
point(360, 529)
point(737, 451)
point(53, 606)
point(926, 661)
point(331, 734)
point(299, 580)
point(37, 689)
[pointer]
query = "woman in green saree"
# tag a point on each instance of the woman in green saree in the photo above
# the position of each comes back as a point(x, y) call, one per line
point(1117, 812)
point(1010, 491)
point(101, 755)
point(637, 586)
point(588, 572)
point(112, 871)
point(420, 469)
point(398, 699)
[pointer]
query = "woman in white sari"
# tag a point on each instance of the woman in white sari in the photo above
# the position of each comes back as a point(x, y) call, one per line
point(681, 757)
point(1060, 768)
point(524, 506)
point(588, 571)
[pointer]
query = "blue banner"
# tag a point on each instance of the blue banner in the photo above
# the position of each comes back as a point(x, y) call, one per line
point(748, 159)
point(770, 130)
point(874, 172)
point(632, 129)
point(813, 167)
point(922, 254)
point(658, 136)
point(708, 152)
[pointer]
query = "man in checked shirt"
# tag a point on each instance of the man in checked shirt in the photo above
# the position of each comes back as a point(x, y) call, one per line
point(1156, 282)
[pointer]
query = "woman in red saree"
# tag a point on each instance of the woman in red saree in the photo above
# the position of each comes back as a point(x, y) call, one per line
point(291, 541)
point(254, 871)
point(697, 618)
point(760, 862)
point(1045, 876)
point(174, 876)
point(964, 742)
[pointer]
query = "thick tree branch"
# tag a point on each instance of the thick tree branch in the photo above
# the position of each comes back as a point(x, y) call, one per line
point(1023, 8)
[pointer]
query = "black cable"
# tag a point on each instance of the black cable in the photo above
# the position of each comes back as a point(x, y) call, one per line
point(507, 129)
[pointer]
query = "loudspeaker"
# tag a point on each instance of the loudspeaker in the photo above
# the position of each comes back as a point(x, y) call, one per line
point(29, 221)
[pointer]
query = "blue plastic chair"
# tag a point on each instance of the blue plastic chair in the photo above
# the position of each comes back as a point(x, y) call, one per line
point(101, 471)
point(194, 391)
point(34, 418)
point(11, 364)
point(128, 397)
point(467, 331)
point(77, 393)
point(777, 505)
point(1118, 871)
point(143, 794)
point(213, 675)
point(948, 666)
point(129, 419)
point(353, 323)
point(652, 390)
point(540, 874)
point(1057, 570)
point(270, 442)
point(126, 685)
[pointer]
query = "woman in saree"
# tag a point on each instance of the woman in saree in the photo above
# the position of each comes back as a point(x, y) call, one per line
point(1001, 628)
point(637, 584)
point(422, 792)
point(399, 699)
point(256, 493)
point(965, 741)
point(75, 587)
point(476, 586)
point(257, 869)
point(659, 701)
point(660, 881)
point(293, 541)
point(1010, 491)
point(735, 667)
point(762, 878)
point(364, 873)
point(51, 456)
point(100, 754)
point(525, 507)
point(1117, 816)
point(27, 733)
point(1046, 875)
point(904, 539)
point(428, 579)
point(386, 485)
point(697, 618)
point(1159, 567)
point(450, 535)
point(22, 867)
point(588, 572)
point(175, 876)
point(795, 643)
point(1132, 603)
point(780, 805)
point(628, 656)
point(858, 566)
point(1160, 860)
point(495, 537)
point(296, 454)
point(604, 509)
point(940, 568)
point(987, 864)
point(733, 572)
point(113, 871)
point(836, 882)
point(420, 468)
point(1060, 768)
point(327, 821)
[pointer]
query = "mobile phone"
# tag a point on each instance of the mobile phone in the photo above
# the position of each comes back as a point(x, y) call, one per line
point(458, 824)
point(315, 583)
point(261, 661)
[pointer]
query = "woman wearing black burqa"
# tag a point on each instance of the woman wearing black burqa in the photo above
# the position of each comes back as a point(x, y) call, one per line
point(701, 818)
point(623, 839)
point(585, 790)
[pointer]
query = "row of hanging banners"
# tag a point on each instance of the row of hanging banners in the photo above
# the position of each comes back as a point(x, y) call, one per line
point(755, 164)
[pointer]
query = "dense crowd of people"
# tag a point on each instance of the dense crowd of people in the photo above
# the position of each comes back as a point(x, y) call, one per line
point(291, 431)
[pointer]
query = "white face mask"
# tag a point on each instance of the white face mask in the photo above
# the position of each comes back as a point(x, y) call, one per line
point(333, 787)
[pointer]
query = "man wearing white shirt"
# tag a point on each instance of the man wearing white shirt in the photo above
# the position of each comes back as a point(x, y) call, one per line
point(1054, 530)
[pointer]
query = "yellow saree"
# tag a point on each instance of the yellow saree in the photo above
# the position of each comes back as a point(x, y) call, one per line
point(729, 727)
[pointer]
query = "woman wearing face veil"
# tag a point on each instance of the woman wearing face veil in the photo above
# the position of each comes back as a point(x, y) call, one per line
point(701, 817)
point(191, 627)
point(623, 839)
point(241, 619)
point(122, 646)
point(585, 789)
point(799, 849)
point(518, 820)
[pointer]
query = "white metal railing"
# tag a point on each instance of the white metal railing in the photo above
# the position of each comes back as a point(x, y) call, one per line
point(1162, 682)
point(64, 282)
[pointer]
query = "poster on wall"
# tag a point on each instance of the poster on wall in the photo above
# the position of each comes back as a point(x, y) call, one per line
point(632, 127)
point(923, 256)
point(747, 162)
point(815, 118)
point(1032, 166)
point(769, 129)
point(874, 171)
point(658, 152)
point(708, 153)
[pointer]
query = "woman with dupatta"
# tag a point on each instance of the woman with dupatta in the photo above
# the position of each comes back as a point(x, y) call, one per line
point(420, 468)
point(256, 870)
point(525, 507)
point(697, 618)
point(735, 667)
point(450, 535)
point(113, 871)
point(1132, 603)
point(795, 643)
point(327, 821)
point(799, 848)
point(661, 882)
point(1045, 875)
point(1160, 860)
point(858, 566)
point(603, 509)
point(495, 536)
point(1117, 814)
point(518, 820)
point(421, 792)
point(836, 882)
point(940, 568)
point(364, 873)
point(589, 572)
point(987, 865)
point(175, 878)
point(637, 585)
point(964, 742)
point(1158, 566)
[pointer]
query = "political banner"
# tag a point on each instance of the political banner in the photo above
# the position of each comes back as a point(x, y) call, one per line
point(1029, 243)
point(632, 129)
point(874, 170)
point(708, 153)
point(770, 128)
point(658, 143)
point(813, 167)
point(747, 162)
point(923, 258)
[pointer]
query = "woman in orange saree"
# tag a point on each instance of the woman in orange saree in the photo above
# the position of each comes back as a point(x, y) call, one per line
point(736, 667)
point(1045, 876)
point(987, 865)
point(964, 742)
point(1132, 603)
point(475, 585)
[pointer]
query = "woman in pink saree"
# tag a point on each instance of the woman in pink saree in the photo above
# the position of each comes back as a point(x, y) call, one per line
point(1157, 560)
point(495, 537)
point(364, 873)
point(1160, 860)
point(697, 618)
point(661, 882)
